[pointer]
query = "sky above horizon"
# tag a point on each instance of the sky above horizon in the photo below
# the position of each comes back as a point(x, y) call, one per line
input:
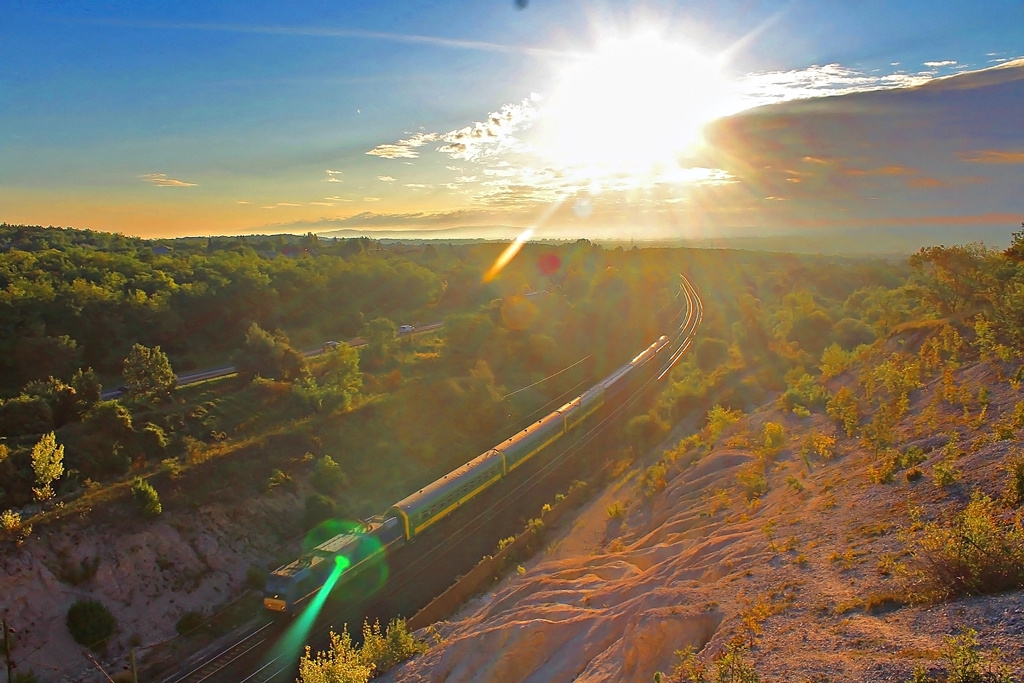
point(566, 117)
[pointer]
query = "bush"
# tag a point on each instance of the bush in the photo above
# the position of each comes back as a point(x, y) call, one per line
point(945, 474)
point(147, 500)
point(25, 415)
point(974, 553)
point(189, 622)
point(386, 650)
point(1014, 493)
point(318, 508)
point(91, 624)
point(965, 663)
point(328, 477)
point(255, 577)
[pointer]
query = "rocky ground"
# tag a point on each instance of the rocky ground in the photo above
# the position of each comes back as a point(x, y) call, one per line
point(812, 575)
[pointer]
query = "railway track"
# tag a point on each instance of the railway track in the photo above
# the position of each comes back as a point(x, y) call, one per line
point(251, 660)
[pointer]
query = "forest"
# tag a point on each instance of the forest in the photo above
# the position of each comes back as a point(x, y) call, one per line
point(351, 429)
point(83, 309)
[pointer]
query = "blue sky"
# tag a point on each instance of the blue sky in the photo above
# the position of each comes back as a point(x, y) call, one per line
point(161, 119)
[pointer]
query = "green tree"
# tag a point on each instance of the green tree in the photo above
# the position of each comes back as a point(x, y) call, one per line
point(148, 374)
point(328, 477)
point(147, 500)
point(91, 624)
point(267, 355)
point(48, 465)
point(379, 334)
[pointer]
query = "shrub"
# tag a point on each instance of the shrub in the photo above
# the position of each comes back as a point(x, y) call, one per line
point(731, 667)
point(945, 474)
point(318, 508)
point(653, 479)
point(341, 663)
point(255, 577)
point(90, 623)
point(753, 483)
point(965, 663)
point(328, 477)
point(718, 419)
point(1014, 493)
point(147, 500)
point(189, 622)
point(616, 510)
point(774, 438)
point(975, 552)
point(843, 409)
point(10, 520)
point(384, 651)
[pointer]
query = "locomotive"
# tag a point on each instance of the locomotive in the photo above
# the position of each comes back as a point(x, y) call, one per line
point(289, 586)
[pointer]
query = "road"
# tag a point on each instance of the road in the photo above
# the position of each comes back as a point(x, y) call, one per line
point(188, 378)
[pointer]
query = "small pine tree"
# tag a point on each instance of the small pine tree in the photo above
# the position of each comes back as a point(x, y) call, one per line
point(147, 500)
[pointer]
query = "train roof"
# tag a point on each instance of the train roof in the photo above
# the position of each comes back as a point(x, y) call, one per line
point(479, 461)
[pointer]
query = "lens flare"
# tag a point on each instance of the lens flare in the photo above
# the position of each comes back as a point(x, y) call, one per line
point(507, 255)
point(294, 639)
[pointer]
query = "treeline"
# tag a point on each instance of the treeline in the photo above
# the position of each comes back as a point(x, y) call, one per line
point(74, 299)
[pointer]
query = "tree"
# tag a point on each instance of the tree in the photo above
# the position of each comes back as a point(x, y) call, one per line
point(147, 500)
point(380, 336)
point(48, 465)
point(148, 373)
point(267, 355)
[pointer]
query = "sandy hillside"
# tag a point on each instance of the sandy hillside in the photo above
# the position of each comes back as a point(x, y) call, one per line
point(810, 574)
point(148, 574)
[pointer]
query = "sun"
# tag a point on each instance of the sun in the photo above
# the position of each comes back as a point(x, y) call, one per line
point(633, 107)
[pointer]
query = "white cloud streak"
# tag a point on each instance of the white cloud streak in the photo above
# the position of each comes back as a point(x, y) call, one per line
point(404, 149)
point(161, 180)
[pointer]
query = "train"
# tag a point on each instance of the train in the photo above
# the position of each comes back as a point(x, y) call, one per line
point(290, 585)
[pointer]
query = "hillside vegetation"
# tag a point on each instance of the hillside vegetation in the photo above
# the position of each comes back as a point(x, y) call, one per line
point(837, 347)
point(861, 522)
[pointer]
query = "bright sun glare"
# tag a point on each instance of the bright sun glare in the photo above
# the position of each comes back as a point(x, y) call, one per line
point(633, 106)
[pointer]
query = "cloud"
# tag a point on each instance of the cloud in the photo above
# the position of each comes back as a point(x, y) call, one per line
point(490, 137)
point(280, 204)
point(161, 180)
point(993, 156)
point(945, 62)
point(332, 176)
point(404, 149)
point(818, 81)
point(324, 32)
point(385, 178)
point(371, 199)
point(418, 186)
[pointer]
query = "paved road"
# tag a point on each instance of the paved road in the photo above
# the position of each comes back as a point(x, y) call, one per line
point(187, 378)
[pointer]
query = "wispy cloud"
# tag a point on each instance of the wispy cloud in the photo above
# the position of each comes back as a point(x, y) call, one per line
point(333, 176)
point(944, 62)
point(385, 178)
point(371, 199)
point(993, 156)
point(335, 32)
point(404, 149)
point(418, 186)
point(161, 180)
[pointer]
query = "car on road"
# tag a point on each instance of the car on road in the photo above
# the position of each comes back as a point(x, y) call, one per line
point(406, 329)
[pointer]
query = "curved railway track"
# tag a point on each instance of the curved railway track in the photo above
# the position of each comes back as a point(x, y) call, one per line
point(249, 656)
